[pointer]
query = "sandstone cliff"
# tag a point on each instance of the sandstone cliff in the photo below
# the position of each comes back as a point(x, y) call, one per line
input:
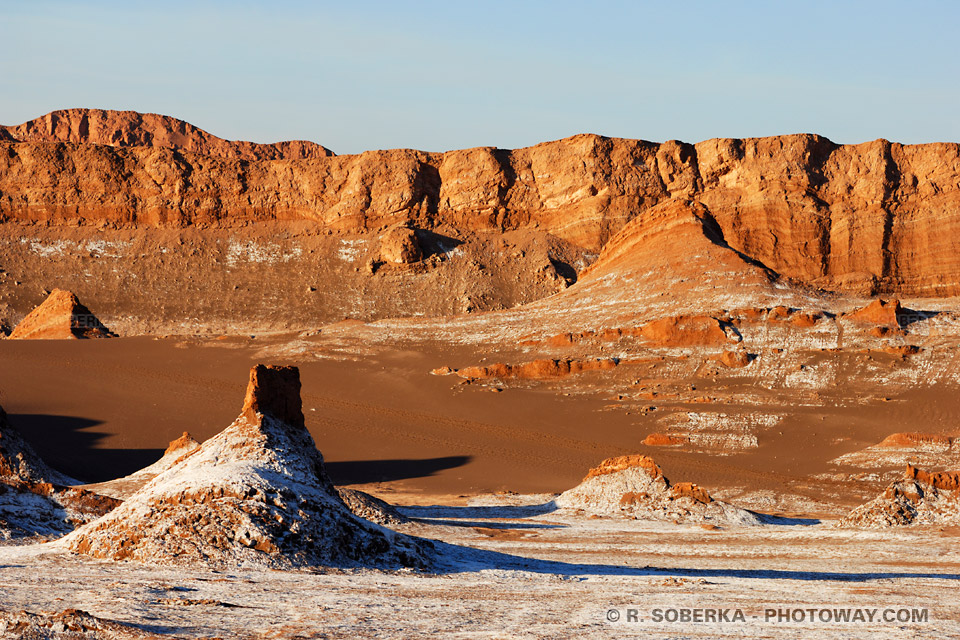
point(401, 232)
point(868, 217)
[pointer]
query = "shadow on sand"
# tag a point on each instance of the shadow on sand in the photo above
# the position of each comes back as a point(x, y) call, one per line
point(68, 444)
point(458, 559)
point(364, 471)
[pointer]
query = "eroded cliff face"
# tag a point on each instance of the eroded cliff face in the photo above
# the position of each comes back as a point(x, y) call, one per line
point(874, 218)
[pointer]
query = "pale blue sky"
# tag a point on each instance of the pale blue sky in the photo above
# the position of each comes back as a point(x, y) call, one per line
point(446, 75)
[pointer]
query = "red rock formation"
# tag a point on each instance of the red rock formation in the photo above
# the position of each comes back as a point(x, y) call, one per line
point(537, 369)
point(634, 485)
point(132, 129)
point(920, 498)
point(60, 317)
point(911, 440)
point(691, 490)
point(665, 440)
point(882, 313)
point(734, 359)
point(183, 443)
point(686, 331)
point(399, 245)
point(274, 391)
point(621, 463)
point(944, 480)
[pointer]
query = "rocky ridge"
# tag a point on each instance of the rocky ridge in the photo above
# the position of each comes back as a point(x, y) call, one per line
point(36, 500)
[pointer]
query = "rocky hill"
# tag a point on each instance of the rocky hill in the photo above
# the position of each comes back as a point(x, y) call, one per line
point(256, 494)
point(61, 317)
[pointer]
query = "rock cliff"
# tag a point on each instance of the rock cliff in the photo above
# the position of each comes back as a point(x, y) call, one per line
point(466, 230)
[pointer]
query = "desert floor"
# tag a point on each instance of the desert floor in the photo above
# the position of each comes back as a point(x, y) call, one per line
point(476, 469)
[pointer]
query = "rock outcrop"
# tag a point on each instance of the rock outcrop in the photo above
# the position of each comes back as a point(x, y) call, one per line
point(133, 129)
point(256, 494)
point(71, 623)
point(543, 369)
point(60, 317)
point(899, 449)
point(919, 498)
point(399, 245)
point(879, 313)
point(635, 486)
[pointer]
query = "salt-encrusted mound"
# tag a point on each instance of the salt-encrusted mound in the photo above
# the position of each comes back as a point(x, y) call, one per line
point(635, 486)
point(372, 508)
point(71, 623)
point(919, 498)
point(256, 494)
point(34, 499)
point(123, 488)
point(18, 460)
point(60, 317)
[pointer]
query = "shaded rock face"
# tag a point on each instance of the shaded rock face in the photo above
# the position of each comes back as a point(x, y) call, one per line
point(635, 486)
point(132, 129)
point(60, 317)
point(256, 494)
point(919, 498)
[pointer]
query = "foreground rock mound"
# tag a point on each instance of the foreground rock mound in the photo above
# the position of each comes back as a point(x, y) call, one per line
point(36, 500)
point(920, 498)
point(60, 317)
point(71, 623)
point(256, 494)
point(635, 486)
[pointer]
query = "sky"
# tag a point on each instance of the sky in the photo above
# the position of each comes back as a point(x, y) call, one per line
point(357, 75)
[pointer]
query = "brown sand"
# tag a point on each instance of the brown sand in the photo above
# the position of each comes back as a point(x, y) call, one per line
point(102, 409)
